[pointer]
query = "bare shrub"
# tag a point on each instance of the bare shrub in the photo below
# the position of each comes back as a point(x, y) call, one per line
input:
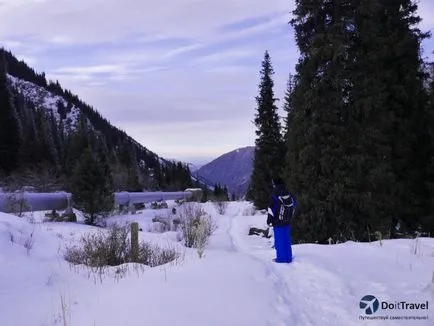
point(415, 247)
point(101, 249)
point(197, 226)
point(53, 216)
point(152, 255)
point(11, 237)
point(16, 204)
point(31, 218)
point(379, 237)
point(202, 237)
point(112, 248)
point(221, 206)
point(29, 242)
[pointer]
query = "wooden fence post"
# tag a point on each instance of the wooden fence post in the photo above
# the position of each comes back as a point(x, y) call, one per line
point(134, 241)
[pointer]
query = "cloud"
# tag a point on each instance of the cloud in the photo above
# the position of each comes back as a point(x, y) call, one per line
point(84, 21)
point(12, 44)
point(60, 40)
point(184, 49)
point(27, 59)
point(91, 69)
point(225, 56)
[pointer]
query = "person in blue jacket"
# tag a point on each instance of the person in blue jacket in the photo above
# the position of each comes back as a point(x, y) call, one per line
point(280, 212)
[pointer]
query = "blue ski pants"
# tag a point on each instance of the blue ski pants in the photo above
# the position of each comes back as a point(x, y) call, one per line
point(282, 244)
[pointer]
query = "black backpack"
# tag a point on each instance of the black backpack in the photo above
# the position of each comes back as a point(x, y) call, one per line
point(286, 208)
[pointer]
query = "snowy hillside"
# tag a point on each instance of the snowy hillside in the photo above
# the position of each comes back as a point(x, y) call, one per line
point(236, 283)
point(43, 99)
point(44, 116)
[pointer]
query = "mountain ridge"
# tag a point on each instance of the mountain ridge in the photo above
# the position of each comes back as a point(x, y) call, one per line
point(46, 110)
point(232, 169)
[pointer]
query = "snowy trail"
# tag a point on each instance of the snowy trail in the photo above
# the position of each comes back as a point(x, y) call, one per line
point(300, 287)
point(289, 313)
point(283, 302)
point(324, 286)
point(225, 239)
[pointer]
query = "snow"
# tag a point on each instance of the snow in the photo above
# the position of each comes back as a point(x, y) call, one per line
point(236, 283)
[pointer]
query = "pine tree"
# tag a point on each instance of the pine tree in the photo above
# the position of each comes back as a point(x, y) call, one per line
point(225, 193)
point(269, 148)
point(288, 105)
point(205, 194)
point(317, 134)
point(28, 152)
point(356, 143)
point(427, 220)
point(91, 186)
point(217, 190)
point(10, 125)
point(45, 142)
point(57, 140)
point(133, 183)
point(74, 145)
point(388, 116)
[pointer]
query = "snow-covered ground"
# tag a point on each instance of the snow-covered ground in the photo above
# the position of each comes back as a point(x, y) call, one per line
point(236, 283)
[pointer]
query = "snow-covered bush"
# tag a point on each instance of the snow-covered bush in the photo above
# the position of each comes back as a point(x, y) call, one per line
point(197, 226)
point(113, 248)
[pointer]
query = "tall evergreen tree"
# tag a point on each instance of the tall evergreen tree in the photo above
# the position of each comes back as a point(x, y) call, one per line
point(388, 114)
point(56, 132)
point(356, 146)
point(287, 105)
point(28, 152)
point(317, 135)
point(10, 125)
point(91, 186)
point(74, 145)
point(133, 183)
point(427, 220)
point(269, 149)
point(45, 142)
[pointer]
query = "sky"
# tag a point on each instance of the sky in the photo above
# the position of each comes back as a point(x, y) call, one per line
point(181, 79)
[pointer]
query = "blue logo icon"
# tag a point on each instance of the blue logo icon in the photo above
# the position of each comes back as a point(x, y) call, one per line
point(370, 304)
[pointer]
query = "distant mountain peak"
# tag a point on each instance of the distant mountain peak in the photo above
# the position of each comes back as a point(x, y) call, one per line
point(232, 169)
